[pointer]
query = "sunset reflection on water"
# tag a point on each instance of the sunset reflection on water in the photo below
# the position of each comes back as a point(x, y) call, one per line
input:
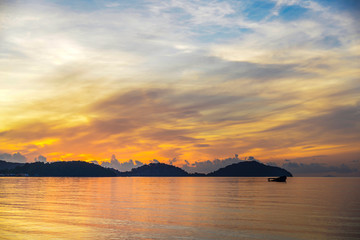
point(179, 208)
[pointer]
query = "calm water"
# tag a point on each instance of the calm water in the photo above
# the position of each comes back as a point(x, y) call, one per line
point(179, 208)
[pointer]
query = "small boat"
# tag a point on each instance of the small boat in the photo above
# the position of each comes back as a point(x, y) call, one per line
point(278, 179)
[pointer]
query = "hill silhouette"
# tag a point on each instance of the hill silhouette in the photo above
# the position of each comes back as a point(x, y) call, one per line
point(249, 169)
point(9, 165)
point(156, 170)
point(62, 169)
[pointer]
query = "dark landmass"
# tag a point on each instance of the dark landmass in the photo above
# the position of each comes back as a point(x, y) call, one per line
point(156, 170)
point(196, 174)
point(85, 169)
point(249, 169)
point(9, 165)
point(61, 169)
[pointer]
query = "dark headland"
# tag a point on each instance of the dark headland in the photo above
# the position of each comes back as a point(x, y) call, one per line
point(84, 169)
point(249, 169)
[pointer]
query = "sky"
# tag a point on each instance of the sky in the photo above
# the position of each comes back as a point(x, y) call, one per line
point(181, 82)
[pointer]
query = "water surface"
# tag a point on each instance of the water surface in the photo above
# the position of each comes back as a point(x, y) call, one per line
point(179, 208)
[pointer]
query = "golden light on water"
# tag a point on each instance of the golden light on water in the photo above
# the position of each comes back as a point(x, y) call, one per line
point(204, 208)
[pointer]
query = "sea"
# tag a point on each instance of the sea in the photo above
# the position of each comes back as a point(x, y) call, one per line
point(179, 208)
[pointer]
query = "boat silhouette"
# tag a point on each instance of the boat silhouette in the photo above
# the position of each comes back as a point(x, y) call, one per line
point(278, 179)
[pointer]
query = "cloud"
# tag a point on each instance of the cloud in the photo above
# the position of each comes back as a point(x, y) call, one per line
point(121, 166)
point(95, 162)
point(172, 161)
point(347, 7)
point(209, 166)
point(336, 126)
point(145, 118)
point(202, 145)
point(112, 4)
point(237, 70)
point(138, 163)
point(274, 164)
point(315, 34)
point(204, 12)
point(312, 5)
point(316, 168)
point(40, 158)
point(16, 157)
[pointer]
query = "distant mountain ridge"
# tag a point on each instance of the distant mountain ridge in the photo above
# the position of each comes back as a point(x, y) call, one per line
point(85, 169)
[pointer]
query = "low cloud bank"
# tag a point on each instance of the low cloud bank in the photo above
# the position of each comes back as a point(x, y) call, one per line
point(210, 166)
point(19, 158)
point(40, 158)
point(200, 167)
point(124, 166)
point(316, 168)
point(16, 157)
point(299, 168)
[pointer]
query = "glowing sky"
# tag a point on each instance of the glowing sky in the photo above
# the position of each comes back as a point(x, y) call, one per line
point(191, 80)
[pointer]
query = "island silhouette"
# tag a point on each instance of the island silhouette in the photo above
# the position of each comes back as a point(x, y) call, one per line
point(57, 169)
point(249, 169)
point(85, 169)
